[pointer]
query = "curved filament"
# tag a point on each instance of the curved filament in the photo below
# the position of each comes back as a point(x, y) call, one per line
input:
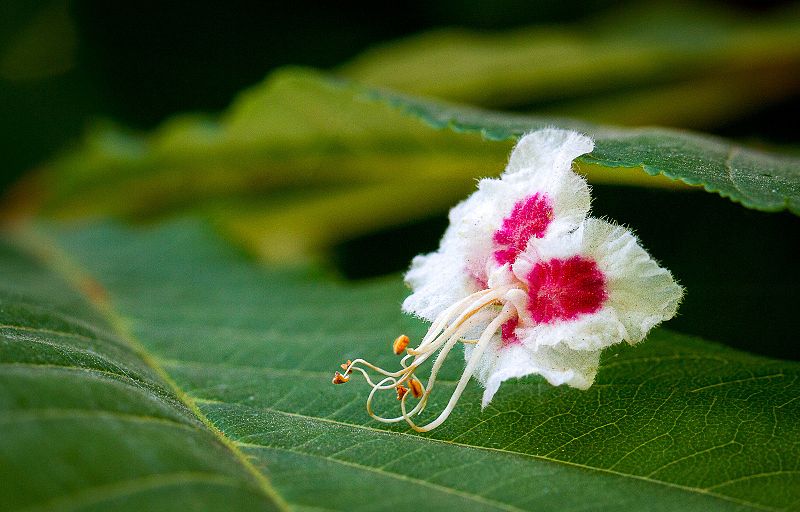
point(445, 332)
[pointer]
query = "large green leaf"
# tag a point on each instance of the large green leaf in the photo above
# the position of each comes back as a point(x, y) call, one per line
point(160, 370)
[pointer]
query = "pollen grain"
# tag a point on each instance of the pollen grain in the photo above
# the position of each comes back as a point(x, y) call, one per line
point(400, 344)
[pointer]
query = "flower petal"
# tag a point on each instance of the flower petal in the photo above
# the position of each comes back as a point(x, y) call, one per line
point(559, 365)
point(547, 150)
point(640, 294)
point(439, 280)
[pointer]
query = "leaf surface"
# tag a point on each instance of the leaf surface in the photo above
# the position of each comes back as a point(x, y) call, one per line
point(753, 178)
point(122, 351)
point(89, 420)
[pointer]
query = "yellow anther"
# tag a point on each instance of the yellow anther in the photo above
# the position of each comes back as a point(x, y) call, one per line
point(401, 391)
point(400, 344)
point(346, 367)
point(338, 378)
point(416, 387)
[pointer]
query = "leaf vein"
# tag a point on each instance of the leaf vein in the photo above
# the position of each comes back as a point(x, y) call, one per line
point(54, 414)
point(399, 476)
point(99, 494)
point(512, 453)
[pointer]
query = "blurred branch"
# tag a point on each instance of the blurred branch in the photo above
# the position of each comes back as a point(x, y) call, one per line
point(648, 62)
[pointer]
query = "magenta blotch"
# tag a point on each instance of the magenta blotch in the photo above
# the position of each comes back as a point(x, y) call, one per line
point(508, 332)
point(565, 289)
point(528, 219)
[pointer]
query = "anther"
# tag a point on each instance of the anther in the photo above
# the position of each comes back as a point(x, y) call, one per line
point(338, 378)
point(346, 367)
point(416, 387)
point(401, 391)
point(400, 344)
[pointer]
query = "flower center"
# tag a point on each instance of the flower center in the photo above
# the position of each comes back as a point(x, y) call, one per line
point(507, 331)
point(565, 289)
point(528, 219)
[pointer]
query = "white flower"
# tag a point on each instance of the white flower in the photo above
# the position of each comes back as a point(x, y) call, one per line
point(538, 195)
point(521, 268)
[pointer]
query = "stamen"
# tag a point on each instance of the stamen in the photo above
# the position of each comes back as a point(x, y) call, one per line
point(484, 299)
point(400, 344)
point(507, 313)
point(392, 381)
point(441, 320)
point(338, 378)
point(401, 391)
point(416, 387)
point(445, 332)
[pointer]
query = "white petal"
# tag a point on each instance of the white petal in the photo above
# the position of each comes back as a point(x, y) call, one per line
point(559, 365)
point(587, 332)
point(547, 150)
point(640, 293)
point(482, 214)
point(438, 280)
point(458, 268)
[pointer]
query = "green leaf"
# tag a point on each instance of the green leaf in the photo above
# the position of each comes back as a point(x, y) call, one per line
point(288, 153)
point(89, 419)
point(298, 129)
point(756, 179)
point(159, 369)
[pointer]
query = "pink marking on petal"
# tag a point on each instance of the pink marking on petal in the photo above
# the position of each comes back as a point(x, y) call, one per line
point(508, 331)
point(565, 289)
point(528, 219)
point(479, 278)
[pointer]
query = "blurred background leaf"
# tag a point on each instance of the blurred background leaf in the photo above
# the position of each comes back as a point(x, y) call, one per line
point(302, 162)
point(653, 64)
point(286, 148)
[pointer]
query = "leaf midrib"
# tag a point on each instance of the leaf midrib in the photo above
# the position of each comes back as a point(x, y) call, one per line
point(49, 253)
point(55, 414)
